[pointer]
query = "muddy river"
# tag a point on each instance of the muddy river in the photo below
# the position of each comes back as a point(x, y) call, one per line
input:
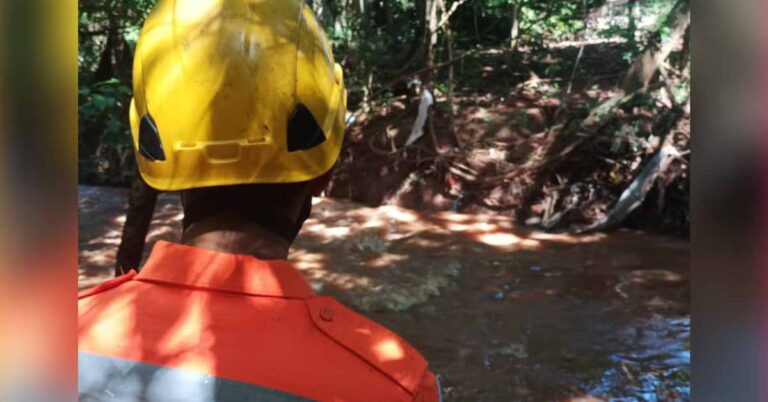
point(501, 313)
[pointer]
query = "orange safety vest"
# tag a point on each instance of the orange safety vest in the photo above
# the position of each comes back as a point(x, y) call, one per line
point(198, 325)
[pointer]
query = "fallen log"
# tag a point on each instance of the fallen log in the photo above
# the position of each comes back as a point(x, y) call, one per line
point(634, 195)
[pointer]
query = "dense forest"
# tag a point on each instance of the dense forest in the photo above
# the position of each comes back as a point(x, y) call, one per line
point(566, 115)
point(491, 147)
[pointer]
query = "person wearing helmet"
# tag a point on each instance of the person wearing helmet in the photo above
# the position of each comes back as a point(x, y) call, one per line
point(240, 107)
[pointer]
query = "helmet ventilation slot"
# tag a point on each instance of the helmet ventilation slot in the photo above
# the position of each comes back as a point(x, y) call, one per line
point(303, 131)
point(150, 145)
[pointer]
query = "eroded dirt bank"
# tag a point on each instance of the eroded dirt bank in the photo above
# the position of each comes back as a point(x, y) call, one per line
point(502, 314)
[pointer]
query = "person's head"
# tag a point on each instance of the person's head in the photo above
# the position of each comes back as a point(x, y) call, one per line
point(279, 208)
point(240, 106)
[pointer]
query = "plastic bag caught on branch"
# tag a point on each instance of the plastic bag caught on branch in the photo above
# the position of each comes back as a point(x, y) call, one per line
point(427, 99)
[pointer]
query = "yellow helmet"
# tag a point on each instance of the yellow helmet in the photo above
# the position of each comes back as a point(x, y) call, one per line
point(235, 92)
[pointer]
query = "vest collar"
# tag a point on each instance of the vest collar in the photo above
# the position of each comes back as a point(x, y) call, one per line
point(176, 264)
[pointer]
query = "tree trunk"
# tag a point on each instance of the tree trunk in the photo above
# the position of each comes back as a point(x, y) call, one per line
point(141, 206)
point(366, 13)
point(422, 30)
point(644, 67)
point(451, 73)
point(682, 63)
point(429, 76)
point(632, 27)
point(475, 22)
point(514, 35)
point(431, 24)
point(514, 31)
point(105, 69)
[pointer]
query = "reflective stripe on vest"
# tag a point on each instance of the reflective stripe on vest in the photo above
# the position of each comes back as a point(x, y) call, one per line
point(102, 378)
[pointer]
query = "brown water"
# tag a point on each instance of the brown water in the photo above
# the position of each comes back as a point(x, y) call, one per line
point(501, 314)
point(546, 327)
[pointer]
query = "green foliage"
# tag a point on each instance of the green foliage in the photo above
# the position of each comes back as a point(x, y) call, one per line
point(108, 31)
point(681, 92)
point(98, 19)
point(543, 22)
point(104, 101)
point(103, 132)
point(378, 43)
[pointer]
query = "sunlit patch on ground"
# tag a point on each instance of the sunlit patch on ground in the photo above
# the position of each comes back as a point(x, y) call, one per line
point(308, 261)
point(386, 261)
point(399, 214)
point(500, 239)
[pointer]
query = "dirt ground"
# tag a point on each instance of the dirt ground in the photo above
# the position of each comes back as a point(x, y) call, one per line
point(501, 313)
point(510, 147)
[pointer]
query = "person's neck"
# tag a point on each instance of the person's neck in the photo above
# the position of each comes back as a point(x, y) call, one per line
point(237, 238)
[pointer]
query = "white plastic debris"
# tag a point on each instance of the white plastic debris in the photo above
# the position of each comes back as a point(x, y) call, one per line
point(418, 128)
